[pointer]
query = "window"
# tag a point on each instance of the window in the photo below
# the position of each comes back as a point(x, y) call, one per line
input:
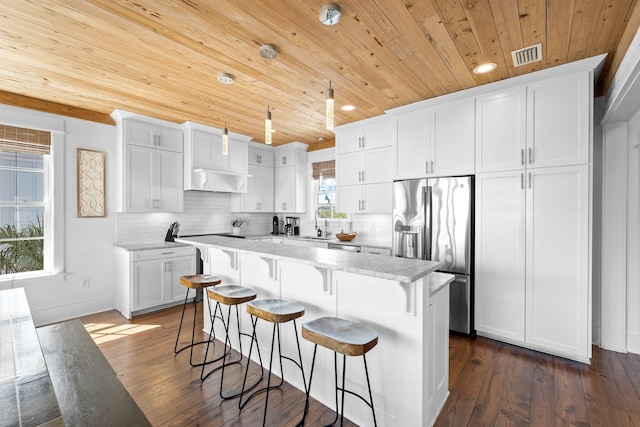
point(24, 160)
point(324, 188)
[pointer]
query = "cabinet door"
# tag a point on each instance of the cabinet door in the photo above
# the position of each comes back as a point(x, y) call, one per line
point(558, 259)
point(379, 135)
point(377, 166)
point(559, 121)
point(285, 189)
point(139, 133)
point(500, 255)
point(350, 168)
point(147, 284)
point(266, 189)
point(170, 139)
point(501, 131)
point(170, 191)
point(377, 198)
point(453, 145)
point(139, 179)
point(286, 157)
point(202, 146)
point(349, 198)
point(348, 141)
point(174, 268)
point(413, 145)
point(251, 199)
point(238, 153)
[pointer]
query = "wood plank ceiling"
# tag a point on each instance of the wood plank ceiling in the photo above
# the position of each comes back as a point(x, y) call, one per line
point(161, 58)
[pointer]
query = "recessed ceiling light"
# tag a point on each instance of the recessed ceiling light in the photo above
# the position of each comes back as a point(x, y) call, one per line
point(485, 68)
point(348, 107)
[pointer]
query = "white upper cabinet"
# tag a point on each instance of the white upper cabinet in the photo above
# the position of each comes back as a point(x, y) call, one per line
point(367, 167)
point(438, 141)
point(153, 136)
point(501, 130)
point(369, 137)
point(453, 145)
point(291, 178)
point(206, 167)
point(364, 167)
point(558, 119)
point(414, 144)
point(260, 184)
point(544, 124)
point(150, 165)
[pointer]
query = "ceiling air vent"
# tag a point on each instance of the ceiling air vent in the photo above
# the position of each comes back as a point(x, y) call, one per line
point(527, 55)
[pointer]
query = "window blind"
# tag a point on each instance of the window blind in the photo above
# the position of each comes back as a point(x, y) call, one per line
point(326, 169)
point(24, 140)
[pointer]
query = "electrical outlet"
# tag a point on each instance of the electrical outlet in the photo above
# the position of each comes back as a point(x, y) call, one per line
point(85, 282)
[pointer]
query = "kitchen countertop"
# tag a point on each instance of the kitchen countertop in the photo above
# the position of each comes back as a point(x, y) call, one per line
point(403, 270)
point(132, 247)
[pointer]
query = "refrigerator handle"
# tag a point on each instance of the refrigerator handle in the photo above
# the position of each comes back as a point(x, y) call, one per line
point(427, 229)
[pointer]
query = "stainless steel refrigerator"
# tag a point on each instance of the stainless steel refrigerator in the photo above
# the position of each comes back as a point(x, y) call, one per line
point(433, 220)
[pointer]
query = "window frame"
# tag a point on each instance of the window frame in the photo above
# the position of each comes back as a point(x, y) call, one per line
point(53, 248)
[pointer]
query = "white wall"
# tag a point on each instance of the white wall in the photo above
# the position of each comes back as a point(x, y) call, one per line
point(633, 235)
point(88, 242)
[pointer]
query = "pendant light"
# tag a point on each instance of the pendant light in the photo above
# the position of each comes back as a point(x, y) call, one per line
point(225, 140)
point(269, 52)
point(225, 79)
point(329, 108)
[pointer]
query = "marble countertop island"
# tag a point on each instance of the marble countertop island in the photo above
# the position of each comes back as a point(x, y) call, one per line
point(402, 270)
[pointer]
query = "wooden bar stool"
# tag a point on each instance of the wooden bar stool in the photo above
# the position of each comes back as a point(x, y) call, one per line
point(193, 281)
point(276, 311)
point(347, 338)
point(231, 296)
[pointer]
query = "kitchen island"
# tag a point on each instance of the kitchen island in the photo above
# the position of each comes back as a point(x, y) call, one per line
point(405, 300)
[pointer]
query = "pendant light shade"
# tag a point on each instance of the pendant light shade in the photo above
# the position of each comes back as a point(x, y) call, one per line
point(225, 140)
point(329, 108)
point(267, 127)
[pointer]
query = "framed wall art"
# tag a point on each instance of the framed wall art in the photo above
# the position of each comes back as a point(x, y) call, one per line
point(91, 183)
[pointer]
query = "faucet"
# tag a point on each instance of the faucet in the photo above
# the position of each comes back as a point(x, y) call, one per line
point(315, 218)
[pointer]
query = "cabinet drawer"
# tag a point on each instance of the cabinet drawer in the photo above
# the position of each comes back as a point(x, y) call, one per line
point(162, 253)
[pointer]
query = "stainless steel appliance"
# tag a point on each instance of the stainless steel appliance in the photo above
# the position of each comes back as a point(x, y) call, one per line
point(296, 225)
point(433, 220)
point(288, 227)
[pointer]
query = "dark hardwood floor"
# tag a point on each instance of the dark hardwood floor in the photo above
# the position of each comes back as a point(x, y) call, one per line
point(492, 384)
point(169, 390)
point(497, 384)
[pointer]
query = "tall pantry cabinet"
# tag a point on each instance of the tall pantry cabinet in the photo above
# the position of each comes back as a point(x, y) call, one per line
point(533, 215)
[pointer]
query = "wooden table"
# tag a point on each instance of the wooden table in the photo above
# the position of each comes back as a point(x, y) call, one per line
point(27, 397)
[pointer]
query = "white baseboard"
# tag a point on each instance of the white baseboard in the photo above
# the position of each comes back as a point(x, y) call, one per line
point(61, 313)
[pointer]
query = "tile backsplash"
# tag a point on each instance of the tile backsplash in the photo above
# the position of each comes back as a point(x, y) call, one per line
point(204, 212)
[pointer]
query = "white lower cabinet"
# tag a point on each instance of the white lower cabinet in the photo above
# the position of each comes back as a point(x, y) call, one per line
point(150, 279)
point(532, 259)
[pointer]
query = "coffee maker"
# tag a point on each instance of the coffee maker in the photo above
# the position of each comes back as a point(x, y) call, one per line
point(296, 225)
point(288, 226)
point(276, 225)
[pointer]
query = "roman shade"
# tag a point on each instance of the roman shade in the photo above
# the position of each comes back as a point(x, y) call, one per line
point(24, 140)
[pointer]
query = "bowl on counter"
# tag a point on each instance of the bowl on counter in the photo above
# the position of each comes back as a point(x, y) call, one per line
point(346, 237)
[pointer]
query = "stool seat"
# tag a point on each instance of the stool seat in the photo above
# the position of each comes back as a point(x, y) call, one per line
point(231, 294)
point(340, 335)
point(275, 310)
point(199, 281)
